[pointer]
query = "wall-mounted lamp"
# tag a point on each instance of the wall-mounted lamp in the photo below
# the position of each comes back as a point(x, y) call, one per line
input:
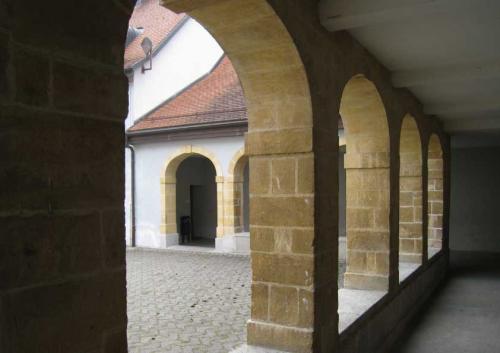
point(147, 47)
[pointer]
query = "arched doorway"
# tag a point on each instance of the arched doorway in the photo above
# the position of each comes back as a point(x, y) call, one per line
point(196, 201)
point(192, 186)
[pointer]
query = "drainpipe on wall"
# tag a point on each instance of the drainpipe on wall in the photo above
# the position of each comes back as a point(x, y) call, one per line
point(132, 193)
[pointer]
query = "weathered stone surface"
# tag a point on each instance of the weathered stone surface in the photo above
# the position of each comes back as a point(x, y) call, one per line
point(286, 141)
point(260, 174)
point(284, 305)
point(38, 249)
point(283, 176)
point(262, 239)
point(280, 337)
point(32, 77)
point(60, 317)
point(113, 228)
point(116, 342)
point(66, 162)
point(67, 27)
point(4, 64)
point(285, 269)
point(87, 91)
point(260, 302)
point(305, 175)
point(282, 211)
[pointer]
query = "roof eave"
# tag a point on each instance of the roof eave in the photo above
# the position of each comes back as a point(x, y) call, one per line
point(203, 126)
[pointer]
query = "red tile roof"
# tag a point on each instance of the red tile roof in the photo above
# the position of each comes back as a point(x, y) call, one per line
point(216, 97)
point(157, 22)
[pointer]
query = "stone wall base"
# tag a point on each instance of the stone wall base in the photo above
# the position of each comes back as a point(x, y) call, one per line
point(380, 328)
point(156, 241)
point(411, 258)
point(237, 243)
point(253, 349)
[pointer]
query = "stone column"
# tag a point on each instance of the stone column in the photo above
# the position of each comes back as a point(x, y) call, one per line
point(168, 210)
point(367, 221)
point(282, 237)
point(410, 214)
point(435, 199)
point(294, 272)
point(233, 196)
point(220, 206)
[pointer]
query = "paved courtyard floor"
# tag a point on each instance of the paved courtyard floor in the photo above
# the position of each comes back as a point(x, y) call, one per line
point(180, 302)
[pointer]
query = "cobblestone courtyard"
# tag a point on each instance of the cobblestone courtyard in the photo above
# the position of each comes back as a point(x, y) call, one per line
point(181, 301)
point(186, 302)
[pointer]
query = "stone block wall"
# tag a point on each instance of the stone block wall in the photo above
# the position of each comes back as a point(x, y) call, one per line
point(63, 99)
point(410, 193)
point(435, 192)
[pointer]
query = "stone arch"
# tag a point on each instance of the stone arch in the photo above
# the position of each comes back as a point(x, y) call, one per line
point(234, 183)
point(169, 184)
point(367, 164)
point(237, 163)
point(410, 192)
point(435, 195)
point(280, 123)
point(267, 62)
point(171, 165)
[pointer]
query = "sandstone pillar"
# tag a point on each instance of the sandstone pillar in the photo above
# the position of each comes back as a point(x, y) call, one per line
point(367, 221)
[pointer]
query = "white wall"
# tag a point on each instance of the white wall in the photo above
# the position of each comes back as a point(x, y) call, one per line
point(128, 199)
point(150, 163)
point(191, 53)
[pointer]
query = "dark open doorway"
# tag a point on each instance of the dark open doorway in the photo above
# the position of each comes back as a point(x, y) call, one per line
point(197, 201)
point(203, 214)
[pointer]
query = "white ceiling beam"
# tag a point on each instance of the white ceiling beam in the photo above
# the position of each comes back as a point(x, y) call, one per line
point(446, 75)
point(337, 17)
point(463, 125)
point(472, 107)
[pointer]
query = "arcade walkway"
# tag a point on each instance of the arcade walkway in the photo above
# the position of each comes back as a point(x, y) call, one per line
point(463, 316)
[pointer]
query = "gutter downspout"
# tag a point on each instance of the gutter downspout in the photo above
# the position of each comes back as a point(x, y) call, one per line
point(132, 193)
